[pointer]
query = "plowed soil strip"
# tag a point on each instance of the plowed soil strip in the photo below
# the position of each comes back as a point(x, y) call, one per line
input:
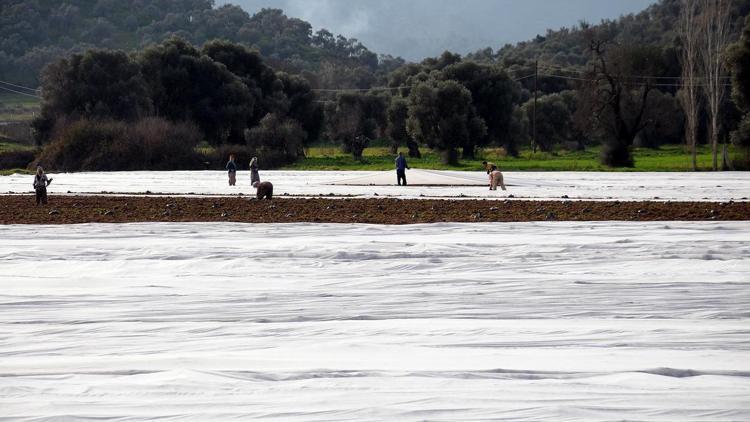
point(16, 209)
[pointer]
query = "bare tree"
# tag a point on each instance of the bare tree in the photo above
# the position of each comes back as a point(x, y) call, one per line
point(715, 26)
point(611, 100)
point(689, 32)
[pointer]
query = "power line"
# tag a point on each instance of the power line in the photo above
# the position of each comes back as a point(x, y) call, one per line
point(660, 84)
point(384, 88)
point(524, 77)
point(19, 92)
point(20, 86)
point(572, 78)
point(581, 71)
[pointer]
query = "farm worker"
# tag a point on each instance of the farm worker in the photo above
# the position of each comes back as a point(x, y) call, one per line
point(232, 170)
point(489, 167)
point(496, 178)
point(265, 190)
point(401, 167)
point(254, 175)
point(40, 185)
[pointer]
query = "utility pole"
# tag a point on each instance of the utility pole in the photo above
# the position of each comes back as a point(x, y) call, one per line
point(536, 78)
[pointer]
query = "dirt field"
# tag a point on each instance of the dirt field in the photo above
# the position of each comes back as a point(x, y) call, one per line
point(20, 209)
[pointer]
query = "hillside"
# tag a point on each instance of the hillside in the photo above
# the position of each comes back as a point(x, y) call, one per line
point(565, 48)
point(34, 33)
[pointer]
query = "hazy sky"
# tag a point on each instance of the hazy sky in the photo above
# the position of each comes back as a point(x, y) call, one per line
point(415, 29)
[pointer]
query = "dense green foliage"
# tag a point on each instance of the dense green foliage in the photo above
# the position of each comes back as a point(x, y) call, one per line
point(248, 82)
point(356, 119)
point(567, 48)
point(36, 32)
point(186, 84)
point(740, 60)
point(556, 127)
point(277, 139)
point(102, 145)
point(442, 116)
point(269, 111)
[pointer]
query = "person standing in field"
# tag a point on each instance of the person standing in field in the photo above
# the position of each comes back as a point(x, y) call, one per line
point(254, 175)
point(401, 167)
point(40, 186)
point(232, 170)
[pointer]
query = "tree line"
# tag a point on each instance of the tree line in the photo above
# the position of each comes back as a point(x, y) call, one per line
point(616, 91)
point(223, 89)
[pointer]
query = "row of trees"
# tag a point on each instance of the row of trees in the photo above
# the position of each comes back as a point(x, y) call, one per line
point(444, 103)
point(616, 99)
point(739, 58)
point(452, 104)
point(704, 29)
point(449, 104)
point(224, 89)
point(619, 93)
point(625, 94)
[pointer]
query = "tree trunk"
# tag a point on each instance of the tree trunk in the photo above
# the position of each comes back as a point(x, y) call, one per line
point(467, 153)
point(616, 153)
point(413, 149)
point(726, 162)
point(358, 147)
point(688, 30)
point(393, 149)
point(716, 23)
point(449, 157)
point(357, 154)
point(511, 149)
point(714, 146)
point(694, 154)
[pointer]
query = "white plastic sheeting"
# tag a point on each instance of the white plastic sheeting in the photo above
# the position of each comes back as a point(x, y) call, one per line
point(722, 186)
point(524, 321)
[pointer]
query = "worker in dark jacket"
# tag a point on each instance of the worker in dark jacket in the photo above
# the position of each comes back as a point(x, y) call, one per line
point(401, 167)
point(232, 170)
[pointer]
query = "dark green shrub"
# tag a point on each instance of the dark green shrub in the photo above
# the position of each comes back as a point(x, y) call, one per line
point(15, 159)
point(616, 154)
point(150, 144)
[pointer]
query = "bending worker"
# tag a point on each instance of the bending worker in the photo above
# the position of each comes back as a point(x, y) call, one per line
point(495, 176)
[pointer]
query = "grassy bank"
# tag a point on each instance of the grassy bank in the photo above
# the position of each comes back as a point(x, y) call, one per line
point(8, 172)
point(8, 146)
point(666, 158)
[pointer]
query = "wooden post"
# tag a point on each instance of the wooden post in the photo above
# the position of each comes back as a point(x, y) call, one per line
point(536, 78)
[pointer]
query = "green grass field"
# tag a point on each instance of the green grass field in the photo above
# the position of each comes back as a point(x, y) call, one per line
point(666, 158)
point(13, 146)
point(17, 107)
point(8, 172)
